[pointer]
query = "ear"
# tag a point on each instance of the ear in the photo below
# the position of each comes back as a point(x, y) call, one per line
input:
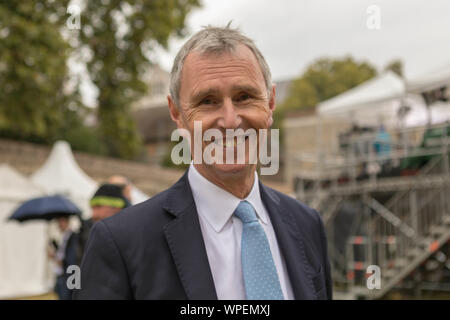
point(175, 113)
point(272, 106)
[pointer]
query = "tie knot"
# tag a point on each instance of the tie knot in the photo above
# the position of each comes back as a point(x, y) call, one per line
point(245, 212)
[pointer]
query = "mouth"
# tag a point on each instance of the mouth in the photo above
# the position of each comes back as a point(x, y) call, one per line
point(231, 142)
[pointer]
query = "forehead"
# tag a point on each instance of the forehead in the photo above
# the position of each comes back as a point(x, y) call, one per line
point(238, 65)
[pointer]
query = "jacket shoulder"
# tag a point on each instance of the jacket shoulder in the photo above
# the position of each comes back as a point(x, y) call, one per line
point(297, 208)
point(145, 216)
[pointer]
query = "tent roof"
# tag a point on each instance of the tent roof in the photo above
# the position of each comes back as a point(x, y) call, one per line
point(16, 187)
point(138, 196)
point(431, 80)
point(385, 87)
point(439, 113)
point(61, 174)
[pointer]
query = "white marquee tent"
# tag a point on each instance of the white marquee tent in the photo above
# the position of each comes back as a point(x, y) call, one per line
point(24, 266)
point(23, 260)
point(60, 174)
point(379, 100)
point(430, 80)
point(367, 102)
point(137, 196)
point(439, 111)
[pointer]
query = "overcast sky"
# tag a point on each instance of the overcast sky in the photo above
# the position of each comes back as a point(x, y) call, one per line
point(293, 33)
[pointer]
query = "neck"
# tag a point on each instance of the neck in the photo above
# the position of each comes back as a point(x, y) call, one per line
point(238, 184)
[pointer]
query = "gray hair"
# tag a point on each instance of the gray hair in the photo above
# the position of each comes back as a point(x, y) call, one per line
point(215, 40)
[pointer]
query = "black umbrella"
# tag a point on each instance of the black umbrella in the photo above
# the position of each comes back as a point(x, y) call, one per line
point(45, 208)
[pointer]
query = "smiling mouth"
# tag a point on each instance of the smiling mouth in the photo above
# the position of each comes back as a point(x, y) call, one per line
point(231, 142)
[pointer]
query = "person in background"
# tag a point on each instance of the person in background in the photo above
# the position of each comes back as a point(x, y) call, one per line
point(382, 146)
point(107, 201)
point(64, 255)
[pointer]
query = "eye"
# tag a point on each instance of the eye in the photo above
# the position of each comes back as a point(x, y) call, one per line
point(243, 97)
point(207, 100)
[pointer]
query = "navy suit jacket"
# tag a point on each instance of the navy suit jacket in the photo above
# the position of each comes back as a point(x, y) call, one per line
point(155, 250)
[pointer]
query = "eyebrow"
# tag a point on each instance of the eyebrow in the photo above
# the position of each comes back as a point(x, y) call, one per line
point(247, 88)
point(213, 91)
point(204, 93)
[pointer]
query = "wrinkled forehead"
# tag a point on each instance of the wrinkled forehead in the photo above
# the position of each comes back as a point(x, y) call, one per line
point(235, 61)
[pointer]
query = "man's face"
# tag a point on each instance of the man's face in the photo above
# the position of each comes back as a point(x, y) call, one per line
point(63, 223)
point(224, 91)
point(102, 212)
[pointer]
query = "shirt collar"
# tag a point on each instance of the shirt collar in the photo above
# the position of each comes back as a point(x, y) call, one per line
point(217, 205)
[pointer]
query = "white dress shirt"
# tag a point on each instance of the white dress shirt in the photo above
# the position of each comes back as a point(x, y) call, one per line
point(222, 233)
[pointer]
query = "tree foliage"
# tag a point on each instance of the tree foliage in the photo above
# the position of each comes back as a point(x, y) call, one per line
point(324, 79)
point(40, 101)
point(33, 72)
point(119, 35)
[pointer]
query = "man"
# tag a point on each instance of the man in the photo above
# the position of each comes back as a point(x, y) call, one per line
point(65, 254)
point(106, 202)
point(218, 233)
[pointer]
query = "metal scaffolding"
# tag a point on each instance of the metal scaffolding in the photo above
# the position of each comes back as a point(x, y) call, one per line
point(389, 209)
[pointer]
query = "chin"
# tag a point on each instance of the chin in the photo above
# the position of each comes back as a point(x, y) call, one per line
point(232, 169)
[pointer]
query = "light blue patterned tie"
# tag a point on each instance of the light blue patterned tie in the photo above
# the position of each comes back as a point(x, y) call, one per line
point(260, 274)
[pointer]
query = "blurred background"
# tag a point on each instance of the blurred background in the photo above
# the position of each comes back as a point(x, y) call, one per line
point(362, 107)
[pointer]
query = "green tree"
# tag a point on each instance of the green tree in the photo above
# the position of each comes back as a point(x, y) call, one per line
point(80, 136)
point(305, 95)
point(119, 34)
point(33, 70)
point(322, 80)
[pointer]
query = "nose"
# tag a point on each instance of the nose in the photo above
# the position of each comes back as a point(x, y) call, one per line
point(230, 117)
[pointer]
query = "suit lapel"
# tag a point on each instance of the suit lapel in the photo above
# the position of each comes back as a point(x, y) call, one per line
point(290, 244)
point(186, 243)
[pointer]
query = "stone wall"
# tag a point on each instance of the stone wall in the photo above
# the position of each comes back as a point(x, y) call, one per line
point(304, 138)
point(28, 157)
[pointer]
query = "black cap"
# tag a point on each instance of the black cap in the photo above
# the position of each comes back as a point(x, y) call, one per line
point(109, 195)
